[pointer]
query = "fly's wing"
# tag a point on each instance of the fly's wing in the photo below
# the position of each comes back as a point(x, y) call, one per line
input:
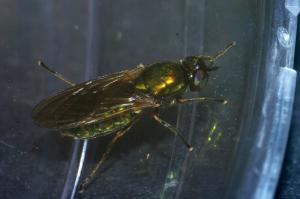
point(92, 101)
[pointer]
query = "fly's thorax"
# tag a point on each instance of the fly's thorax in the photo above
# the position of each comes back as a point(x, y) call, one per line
point(162, 79)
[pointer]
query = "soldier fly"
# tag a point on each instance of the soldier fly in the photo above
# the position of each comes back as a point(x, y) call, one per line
point(111, 104)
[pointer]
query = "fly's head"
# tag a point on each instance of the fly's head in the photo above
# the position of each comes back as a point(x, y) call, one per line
point(198, 70)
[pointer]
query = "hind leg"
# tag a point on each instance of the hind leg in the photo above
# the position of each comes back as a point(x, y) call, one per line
point(171, 128)
point(56, 74)
point(93, 173)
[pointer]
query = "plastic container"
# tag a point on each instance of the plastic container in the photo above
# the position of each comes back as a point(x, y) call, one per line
point(288, 185)
point(238, 147)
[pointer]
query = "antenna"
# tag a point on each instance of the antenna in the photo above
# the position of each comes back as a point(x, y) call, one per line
point(222, 52)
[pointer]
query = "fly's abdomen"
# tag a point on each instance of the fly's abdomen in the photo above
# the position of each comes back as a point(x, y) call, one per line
point(162, 79)
point(101, 128)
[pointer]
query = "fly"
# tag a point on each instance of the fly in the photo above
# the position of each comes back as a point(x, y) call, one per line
point(112, 104)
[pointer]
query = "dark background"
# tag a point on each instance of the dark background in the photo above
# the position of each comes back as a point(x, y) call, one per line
point(85, 39)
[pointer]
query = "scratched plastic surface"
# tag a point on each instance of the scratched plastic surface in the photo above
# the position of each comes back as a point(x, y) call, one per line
point(85, 39)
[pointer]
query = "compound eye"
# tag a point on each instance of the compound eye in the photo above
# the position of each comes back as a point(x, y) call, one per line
point(200, 77)
point(200, 80)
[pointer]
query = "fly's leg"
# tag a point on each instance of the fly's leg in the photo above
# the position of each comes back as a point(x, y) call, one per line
point(171, 128)
point(93, 173)
point(56, 74)
point(220, 53)
point(201, 99)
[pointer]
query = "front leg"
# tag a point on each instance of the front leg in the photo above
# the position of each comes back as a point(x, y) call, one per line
point(201, 99)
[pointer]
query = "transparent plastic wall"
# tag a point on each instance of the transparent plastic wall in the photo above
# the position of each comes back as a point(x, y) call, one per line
point(238, 146)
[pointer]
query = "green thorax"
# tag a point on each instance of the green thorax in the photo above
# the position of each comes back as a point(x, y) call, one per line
point(162, 79)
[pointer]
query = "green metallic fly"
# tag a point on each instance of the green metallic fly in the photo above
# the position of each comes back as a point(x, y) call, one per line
point(111, 104)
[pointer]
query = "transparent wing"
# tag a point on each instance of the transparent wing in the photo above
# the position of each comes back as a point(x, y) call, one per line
point(92, 101)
